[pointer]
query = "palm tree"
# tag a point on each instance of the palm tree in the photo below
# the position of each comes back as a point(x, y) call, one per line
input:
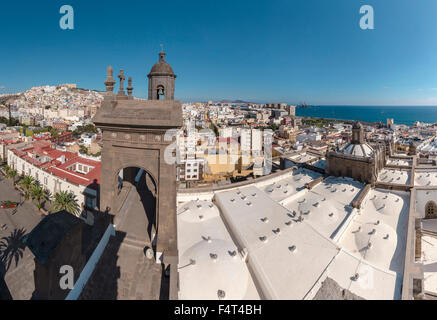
point(12, 247)
point(27, 183)
point(6, 169)
point(40, 195)
point(12, 174)
point(65, 201)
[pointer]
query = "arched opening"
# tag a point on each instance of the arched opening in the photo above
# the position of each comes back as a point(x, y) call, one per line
point(127, 266)
point(431, 210)
point(160, 92)
point(136, 205)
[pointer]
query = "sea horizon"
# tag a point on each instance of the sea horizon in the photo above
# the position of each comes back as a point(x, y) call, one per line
point(407, 115)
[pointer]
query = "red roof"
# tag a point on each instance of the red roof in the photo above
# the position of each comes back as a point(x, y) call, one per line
point(56, 167)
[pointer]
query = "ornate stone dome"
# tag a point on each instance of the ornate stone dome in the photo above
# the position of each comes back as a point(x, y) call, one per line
point(361, 150)
point(358, 147)
point(162, 67)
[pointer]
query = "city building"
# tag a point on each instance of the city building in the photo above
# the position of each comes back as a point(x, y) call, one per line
point(57, 170)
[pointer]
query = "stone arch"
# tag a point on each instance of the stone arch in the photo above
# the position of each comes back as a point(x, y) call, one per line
point(133, 165)
point(135, 208)
point(114, 182)
point(431, 210)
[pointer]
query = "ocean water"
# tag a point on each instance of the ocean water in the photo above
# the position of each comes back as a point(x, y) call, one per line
point(400, 114)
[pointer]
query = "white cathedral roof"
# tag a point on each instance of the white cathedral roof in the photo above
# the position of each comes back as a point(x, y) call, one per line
point(289, 246)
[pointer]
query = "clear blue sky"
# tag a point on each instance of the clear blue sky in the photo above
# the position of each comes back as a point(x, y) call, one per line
point(277, 50)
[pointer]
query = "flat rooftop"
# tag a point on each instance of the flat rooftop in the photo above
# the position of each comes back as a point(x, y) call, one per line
point(289, 186)
point(302, 158)
point(209, 261)
point(286, 256)
point(395, 176)
point(327, 206)
point(378, 231)
point(297, 240)
point(425, 178)
point(399, 162)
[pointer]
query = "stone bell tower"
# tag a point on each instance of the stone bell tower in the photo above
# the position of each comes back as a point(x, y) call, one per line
point(161, 80)
point(357, 133)
point(134, 135)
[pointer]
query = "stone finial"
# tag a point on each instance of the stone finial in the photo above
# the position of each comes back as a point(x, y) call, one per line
point(129, 87)
point(109, 82)
point(122, 78)
point(121, 94)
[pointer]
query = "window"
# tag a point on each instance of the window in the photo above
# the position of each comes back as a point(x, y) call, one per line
point(431, 210)
point(45, 180)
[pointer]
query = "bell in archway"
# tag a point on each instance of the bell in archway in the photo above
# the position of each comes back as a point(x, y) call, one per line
point(161, 91)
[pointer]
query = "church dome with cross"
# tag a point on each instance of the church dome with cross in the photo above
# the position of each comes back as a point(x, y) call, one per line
point(161, 80)
point(162, 67)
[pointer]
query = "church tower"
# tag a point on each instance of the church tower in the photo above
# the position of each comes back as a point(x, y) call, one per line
point(161, 80)
point(357, 133)
point(134, 136)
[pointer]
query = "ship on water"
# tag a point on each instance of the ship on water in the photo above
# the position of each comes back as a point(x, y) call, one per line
point(303, 105)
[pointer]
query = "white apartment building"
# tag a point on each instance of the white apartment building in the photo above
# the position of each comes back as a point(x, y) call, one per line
point(257, 140)
point(55, 172)
point(87, 138)
point(246, 140)
point(226, 132)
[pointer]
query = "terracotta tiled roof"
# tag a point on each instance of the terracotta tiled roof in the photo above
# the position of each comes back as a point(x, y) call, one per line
point(59, 169)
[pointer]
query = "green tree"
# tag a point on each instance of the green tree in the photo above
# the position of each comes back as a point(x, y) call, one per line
point(40, 195)
point(65, 201)
point(12, 174)
point(83, 149)
point(274, 127)
point(54, 133)
point(214, 128)
point(6, 169)
point(81, 129)
point(27, 184)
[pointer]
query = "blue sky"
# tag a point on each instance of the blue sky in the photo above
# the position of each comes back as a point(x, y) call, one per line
point(277, 50)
